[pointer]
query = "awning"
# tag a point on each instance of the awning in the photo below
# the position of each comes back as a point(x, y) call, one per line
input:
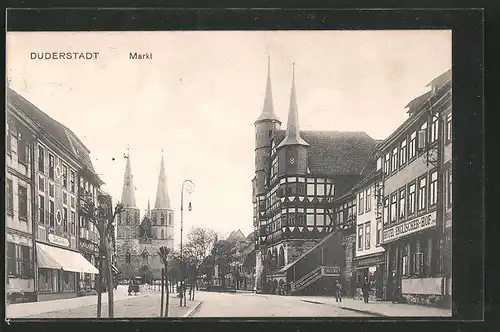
point(49, 257)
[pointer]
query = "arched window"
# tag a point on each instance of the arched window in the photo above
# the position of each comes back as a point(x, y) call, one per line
point(282, 257)
point(162, 234)
point(275, 257)
point(170, 219)
point(162, 218)
point(127, 258)
point(128, 217)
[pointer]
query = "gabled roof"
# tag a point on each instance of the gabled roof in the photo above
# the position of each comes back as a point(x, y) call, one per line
point(236, 236)
point(336, 152)
point(441, 80)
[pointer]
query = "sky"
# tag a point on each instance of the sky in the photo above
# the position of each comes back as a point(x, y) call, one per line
point(196, 100)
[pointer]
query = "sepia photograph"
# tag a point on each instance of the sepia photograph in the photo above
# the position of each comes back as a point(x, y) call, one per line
point(194, 174)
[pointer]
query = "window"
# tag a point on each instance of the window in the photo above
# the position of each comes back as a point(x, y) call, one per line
point(10, 197)
point(41, 209)
point(291, 219)
point(418, 263)
point(162, 218)
point(127, 258)
point(433, 189)
point(412, 152)
point(73, 202)
point(65, 219)
point(379, 231)
point(51, 213)
point(8, 147)
point(23, 202)
point(411, 199)
point(402, 153)
point(18, 260)
point(320, 220)
point(11, 259)
point(394, 212)
point(51, 166)
point(301, 219)
point(41, 159)
point(22, 150)
point(422, 136)
point(448, 128)
point(65, 198)
point(368, 204)
point(145, 255)
point(65, 176)
point(405, 265)
point(361, 202)
point(360, 237)
point(41, 184)
point(434, 128)
point(51, 190)
point(402, 203)
point(45, 280)
point(387, 163)
point(73, 222)
point(72, 181)
point(170, 219)
point(26, 271)
point(449, 189)
point(367, 235)
point(394, 160)
point(386, 210)
point(379, 164)
point(422, 194)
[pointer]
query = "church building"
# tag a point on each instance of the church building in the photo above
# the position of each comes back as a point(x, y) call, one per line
point(139, 239)
point(297, 176)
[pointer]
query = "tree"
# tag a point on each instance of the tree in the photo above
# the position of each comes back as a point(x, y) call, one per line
point(164, 253)
point(223, 257)
point(198, 247)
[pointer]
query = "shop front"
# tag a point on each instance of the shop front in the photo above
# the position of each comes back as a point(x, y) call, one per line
point(90, 251)
point(58, 271)
point(414, 268)
point(372, 268)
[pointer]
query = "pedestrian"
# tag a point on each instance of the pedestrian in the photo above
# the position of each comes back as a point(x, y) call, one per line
point(366, 290)
point(338, 292)
point(130, 284)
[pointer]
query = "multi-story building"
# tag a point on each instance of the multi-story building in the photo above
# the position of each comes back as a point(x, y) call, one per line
point(138, 242)
point(413, 211)
point(297, 175)
point(55, 168)
point(19, 208)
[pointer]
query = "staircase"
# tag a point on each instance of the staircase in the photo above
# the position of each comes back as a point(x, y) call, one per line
point(307, 279)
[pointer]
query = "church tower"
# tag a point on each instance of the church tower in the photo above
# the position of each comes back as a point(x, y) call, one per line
point(293, 149)
point(162, 216)
point(265, 127)
point(127, 226)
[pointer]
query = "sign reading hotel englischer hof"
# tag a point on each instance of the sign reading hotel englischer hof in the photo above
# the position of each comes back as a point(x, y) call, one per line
point(287, 173)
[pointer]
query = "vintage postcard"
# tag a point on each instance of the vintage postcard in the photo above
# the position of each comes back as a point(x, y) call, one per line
point(176, 173)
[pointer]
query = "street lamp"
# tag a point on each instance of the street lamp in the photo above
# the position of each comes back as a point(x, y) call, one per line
point(188, 186)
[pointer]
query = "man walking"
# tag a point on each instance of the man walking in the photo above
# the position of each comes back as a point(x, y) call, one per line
point(338, 292)
point(366, 290)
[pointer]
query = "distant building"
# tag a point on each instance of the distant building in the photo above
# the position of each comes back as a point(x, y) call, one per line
point(297, 176)
point(138, 241)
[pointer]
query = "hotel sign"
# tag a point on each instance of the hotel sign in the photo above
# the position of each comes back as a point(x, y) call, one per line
point(410, 227)
point(58, 240)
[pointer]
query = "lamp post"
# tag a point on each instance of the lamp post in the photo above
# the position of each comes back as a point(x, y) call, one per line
point(188, 186)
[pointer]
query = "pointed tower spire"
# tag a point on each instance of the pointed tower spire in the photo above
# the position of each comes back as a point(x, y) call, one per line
point(162, 199)
point(268, 108)
point(292, 136)
point(128, 192)
point(149, 210)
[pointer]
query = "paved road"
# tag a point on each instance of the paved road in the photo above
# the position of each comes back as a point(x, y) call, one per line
point(257, 305)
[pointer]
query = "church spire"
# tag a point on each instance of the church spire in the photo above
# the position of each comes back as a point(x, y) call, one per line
point(128, 192)
point(162, 199)
point(149, 210)
point(268, 108)
point(292, 136)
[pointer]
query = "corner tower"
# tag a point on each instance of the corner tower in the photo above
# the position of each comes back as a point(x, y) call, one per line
point(162, 216)
point(293, 149)
point(265, 127)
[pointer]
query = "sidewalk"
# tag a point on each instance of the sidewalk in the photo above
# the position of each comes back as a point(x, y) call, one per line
point(19, 310)
point(381, 308)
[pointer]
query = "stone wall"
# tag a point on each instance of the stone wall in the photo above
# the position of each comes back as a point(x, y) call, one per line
point(295, 248)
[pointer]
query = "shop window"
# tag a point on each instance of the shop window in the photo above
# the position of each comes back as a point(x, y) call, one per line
point(394, 209)
point(422, 194)
point(411, 199)
point(23, 202)
point(51, 166)
point(448, 128)
point(402, 203)
point(367, 235)
point(9, 195)
point(360, 237)
point(41, 159)
point(45, 280)
point(402, 153)
point(433, 189)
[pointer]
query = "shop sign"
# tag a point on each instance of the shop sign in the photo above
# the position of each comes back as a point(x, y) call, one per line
point(410, 227)
point(331, 271)
point(58, 240)
point(370, 261)
point(87, 245)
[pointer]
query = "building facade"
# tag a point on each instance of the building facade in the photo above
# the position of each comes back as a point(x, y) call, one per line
point(297, 175)
point(138, 241)
point(19, 207)
point(414, 196)
point(54, 176)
